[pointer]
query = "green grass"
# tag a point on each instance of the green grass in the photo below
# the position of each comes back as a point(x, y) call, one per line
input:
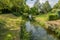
point(43, 18)
point(12, 22)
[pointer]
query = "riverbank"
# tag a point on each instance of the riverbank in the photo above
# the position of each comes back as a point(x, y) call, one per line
point(41, 19)
point(11, 21)
point(53, 25)
point(14, 23)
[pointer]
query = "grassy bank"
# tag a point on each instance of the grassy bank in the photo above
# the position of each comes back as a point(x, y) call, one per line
point(41, 19)
point(44, 19)
point(12, 22)
point(10, 25)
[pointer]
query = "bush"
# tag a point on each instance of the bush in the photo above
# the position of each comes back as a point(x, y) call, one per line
point(53, 11)
point(53, 17)
point(24, 35)
point(16, 13)
point(59, 14)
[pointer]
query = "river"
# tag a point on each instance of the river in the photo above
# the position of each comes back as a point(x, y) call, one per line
point(38, 32)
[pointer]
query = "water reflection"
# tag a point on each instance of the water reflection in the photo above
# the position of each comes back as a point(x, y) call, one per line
point(38, 33)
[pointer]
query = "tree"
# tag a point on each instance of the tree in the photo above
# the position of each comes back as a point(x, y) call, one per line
point(42, 8)
point(20, 8)
point(46, 7)
point(35, 9)
point(37, 4)
point(57, 5)
point(17, 7)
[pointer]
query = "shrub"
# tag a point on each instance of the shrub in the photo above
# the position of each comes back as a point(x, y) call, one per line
point(53, 17)
point(53, 11)
point(59, 14)
point(16, 13)
point(24, 35)
point(57, 31)
point(6, 11)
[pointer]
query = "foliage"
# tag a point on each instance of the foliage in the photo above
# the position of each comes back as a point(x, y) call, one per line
point(14, 6)
point(57, 5)
point(33, 11)
point(59, 14)
point(57, 32)
point(24, 35)
point(36, 8)
point(46, 7)
point(18, 8)
point(37, 4)
point(8, 37)
point(53, 17)
point(53, 10)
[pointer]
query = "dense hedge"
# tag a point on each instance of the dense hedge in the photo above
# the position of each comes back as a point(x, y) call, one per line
point(53, 17)
point(59, 14)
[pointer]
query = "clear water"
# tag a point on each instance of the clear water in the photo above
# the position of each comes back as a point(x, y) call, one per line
point(38, 33)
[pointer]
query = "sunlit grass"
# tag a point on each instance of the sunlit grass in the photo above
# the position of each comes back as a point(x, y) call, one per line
point(12, 22)
point(43, 18)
